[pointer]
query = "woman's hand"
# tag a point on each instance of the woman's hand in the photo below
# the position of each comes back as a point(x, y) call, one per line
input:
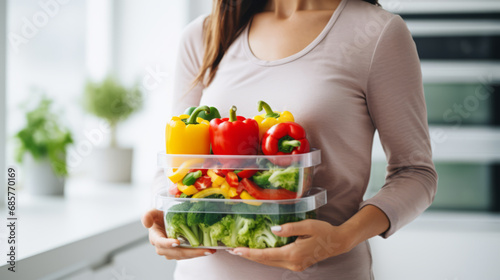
point(168, 247)
point(318, 240)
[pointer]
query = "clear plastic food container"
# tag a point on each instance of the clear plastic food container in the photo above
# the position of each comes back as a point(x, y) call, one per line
point(239, 177)
point(226, 223)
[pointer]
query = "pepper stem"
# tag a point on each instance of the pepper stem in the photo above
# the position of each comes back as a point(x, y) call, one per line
point(287, 145)
point(269, 112)
point(232, 114)
point(196, 112)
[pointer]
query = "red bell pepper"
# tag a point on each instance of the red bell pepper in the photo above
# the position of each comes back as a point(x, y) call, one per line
point(174, 190)
point(285, 139)
point(203, 182)
point(203, 171)
point(260, 193)
point(235, 135)
point(247, 173)
point(232, 179)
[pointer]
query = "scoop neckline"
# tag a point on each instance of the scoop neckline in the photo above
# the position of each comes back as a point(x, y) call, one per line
point(299, 54)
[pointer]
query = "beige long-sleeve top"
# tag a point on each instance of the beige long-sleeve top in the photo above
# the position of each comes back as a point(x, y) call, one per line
point(361, 74)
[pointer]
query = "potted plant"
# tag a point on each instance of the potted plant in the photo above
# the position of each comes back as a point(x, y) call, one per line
point(43, 144)
point(114, 103)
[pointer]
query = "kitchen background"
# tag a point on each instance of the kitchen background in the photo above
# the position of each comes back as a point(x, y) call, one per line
point(53, 48)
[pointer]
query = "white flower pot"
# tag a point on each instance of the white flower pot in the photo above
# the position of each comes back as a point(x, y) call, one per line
point(112, 165)
point(40, 179)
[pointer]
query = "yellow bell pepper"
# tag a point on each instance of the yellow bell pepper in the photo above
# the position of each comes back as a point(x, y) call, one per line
point(270, 118)
point(209, 192)
point(225, 186)
point(183, 170)
point(246, 195)
point(188, 134)
point(188, 190)
point(232, 192)
point(217, 180)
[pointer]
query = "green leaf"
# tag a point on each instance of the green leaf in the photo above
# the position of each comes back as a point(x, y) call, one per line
point(44, 137)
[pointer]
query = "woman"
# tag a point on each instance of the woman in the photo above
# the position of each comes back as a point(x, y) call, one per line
point(345, 68)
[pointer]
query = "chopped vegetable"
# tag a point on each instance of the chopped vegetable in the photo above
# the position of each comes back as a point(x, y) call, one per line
point(287, 179)
point(210, 191)
point(204, 182)
point(260, 193)
point(232, 179)
point(188, 190)
point(247, 173)
point(191, 177)
point(176, 224)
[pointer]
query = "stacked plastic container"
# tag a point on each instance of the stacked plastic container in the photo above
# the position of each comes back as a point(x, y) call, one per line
point(221, 216)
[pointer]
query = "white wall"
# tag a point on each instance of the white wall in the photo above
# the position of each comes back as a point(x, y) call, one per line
point(146, 39)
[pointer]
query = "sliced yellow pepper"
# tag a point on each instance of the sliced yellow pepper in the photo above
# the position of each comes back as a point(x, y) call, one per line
point(209, 192)
point(188, 190)
point(183, 170)
point(188, 134)
point(246, 195)
point(270, 118)
point(232, 192)
point(225, 186)
point(217, 180)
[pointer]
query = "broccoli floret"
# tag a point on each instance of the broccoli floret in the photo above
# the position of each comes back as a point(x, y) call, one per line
point(176, 224)
point(212, 234)
point(205, 223)
point(277, 177)
point(286, 179)
point(261, 178)
point(239, 230)
point(263, 236)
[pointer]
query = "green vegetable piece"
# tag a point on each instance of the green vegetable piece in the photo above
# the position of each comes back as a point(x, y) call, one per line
point(262, 178)
point(191, 177)
point(176, 224)
point(286, 179)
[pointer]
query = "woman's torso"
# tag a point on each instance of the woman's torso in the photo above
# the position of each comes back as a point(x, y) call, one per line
point(324, 87)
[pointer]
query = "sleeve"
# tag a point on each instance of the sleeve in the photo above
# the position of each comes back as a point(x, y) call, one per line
point(189, 58)
point(396, 104)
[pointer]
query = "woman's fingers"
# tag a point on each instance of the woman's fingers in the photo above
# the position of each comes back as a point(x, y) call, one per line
point(304, 227)
point(157, 236)
point(151, 217)
point(183, 253)
point(260, 254)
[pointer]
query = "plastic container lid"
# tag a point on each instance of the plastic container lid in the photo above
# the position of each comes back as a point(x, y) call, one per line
point(312, 200)
point(251, 162)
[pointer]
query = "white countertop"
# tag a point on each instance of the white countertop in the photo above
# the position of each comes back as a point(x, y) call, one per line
point(88, 208)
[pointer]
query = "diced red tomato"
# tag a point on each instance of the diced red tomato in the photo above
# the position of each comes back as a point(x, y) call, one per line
point(247, 173)
point(232, 179)
point(203, 171)
point(174, 190)
point(203, 182)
